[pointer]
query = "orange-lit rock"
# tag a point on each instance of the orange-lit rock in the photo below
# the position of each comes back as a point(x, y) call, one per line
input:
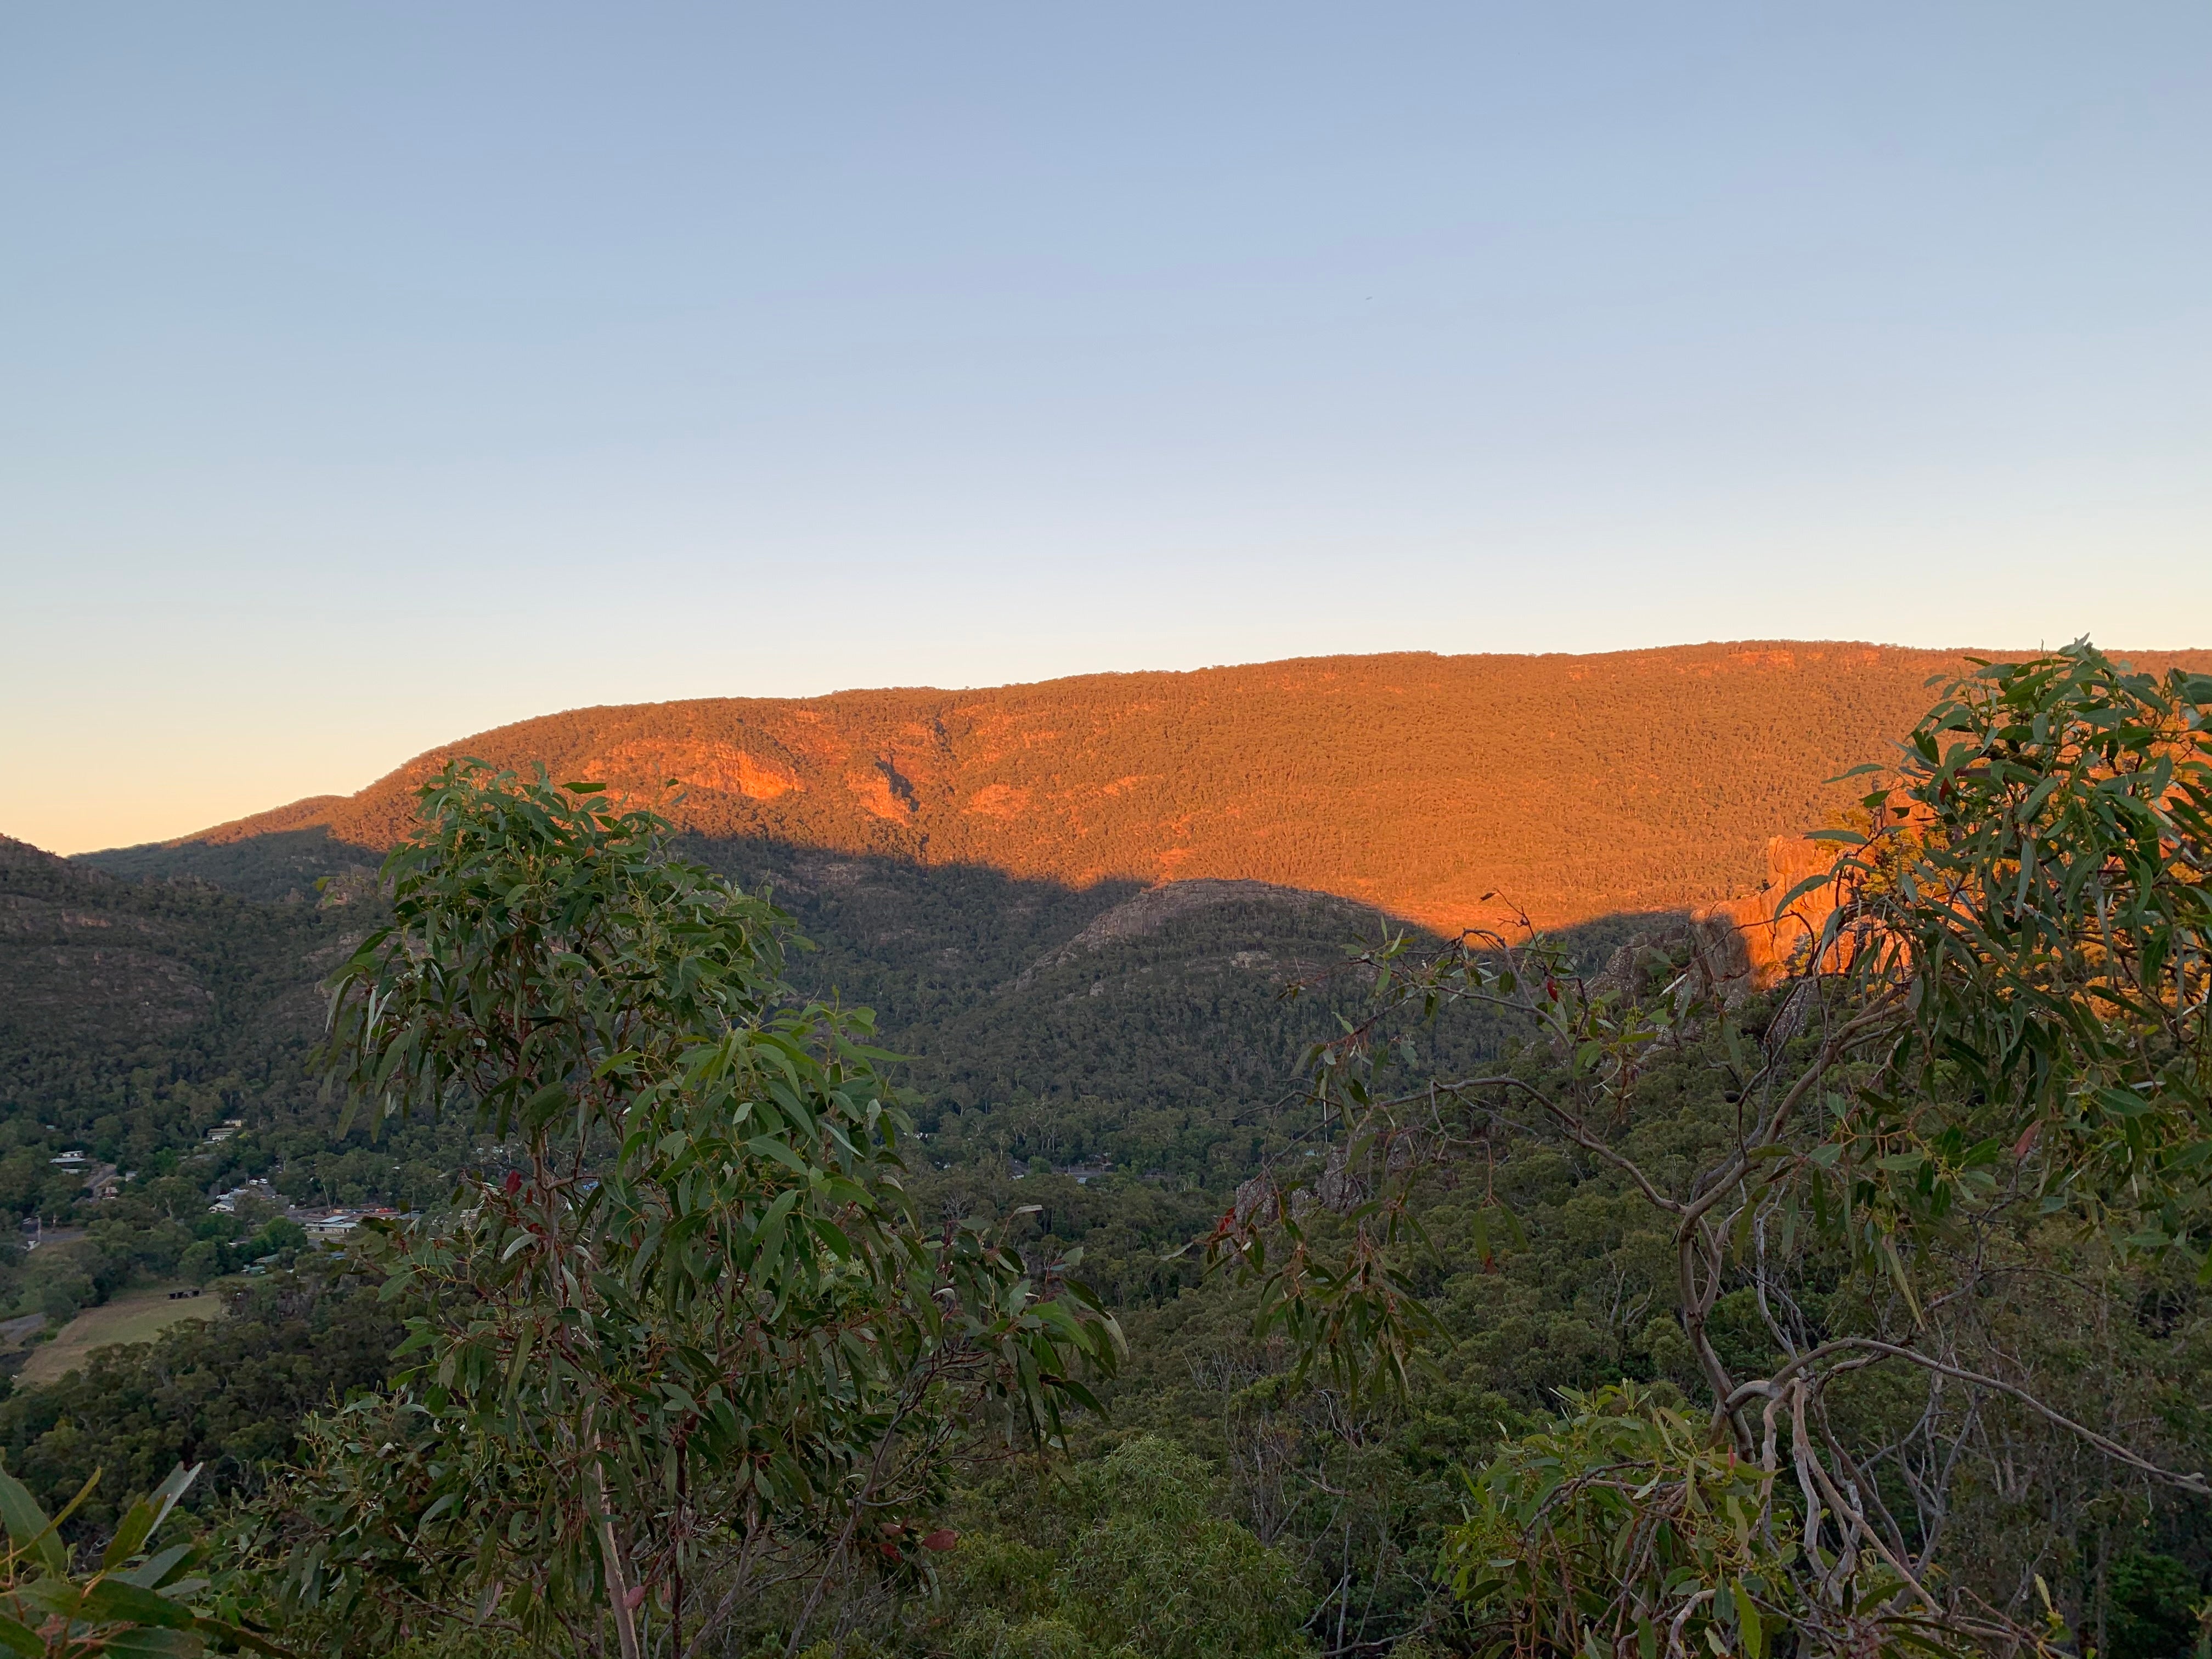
point(1768, 936)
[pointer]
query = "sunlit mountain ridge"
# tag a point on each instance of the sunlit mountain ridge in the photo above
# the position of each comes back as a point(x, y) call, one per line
point(1572, 787)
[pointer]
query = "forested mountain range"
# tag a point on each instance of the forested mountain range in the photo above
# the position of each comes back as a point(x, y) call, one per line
point(1574, 786)
point(1073, 906)
point(1075, 909)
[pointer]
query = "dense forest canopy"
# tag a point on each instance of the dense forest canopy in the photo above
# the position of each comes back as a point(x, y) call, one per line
point(1577, 1292)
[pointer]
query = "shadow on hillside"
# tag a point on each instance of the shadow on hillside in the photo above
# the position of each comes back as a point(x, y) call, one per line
point(1037, 1020)
point(870, 914)
point(276, 868)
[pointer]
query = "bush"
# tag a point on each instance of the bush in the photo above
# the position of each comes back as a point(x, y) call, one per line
point(2153, 1611)
point(62, 1300)
point(1149, 1570)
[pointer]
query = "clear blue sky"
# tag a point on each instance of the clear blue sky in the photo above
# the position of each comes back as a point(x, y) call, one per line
point(371, 375)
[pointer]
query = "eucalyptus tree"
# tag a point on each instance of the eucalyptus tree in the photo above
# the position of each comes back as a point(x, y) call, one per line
point(685, 1318)
point(1984, 1087)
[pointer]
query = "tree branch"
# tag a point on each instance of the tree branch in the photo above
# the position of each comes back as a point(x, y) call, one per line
point(2195, 1483)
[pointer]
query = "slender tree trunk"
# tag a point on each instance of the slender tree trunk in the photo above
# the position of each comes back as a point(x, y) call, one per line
point(684, 1516)
point(617, 1575)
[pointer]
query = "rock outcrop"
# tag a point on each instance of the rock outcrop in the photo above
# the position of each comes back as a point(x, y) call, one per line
point(1757, 940)
point(1736, 947)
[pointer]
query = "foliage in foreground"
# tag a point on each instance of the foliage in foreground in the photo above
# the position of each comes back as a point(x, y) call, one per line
point(1999, 1022)
point(697, 1324)
point(138, 1603)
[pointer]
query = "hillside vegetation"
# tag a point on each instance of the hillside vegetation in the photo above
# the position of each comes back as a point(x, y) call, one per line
point(1588, 1205)
point(1575, 787)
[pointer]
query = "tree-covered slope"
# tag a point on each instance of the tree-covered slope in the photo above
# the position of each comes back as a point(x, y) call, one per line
point(135, 1015)
point(1575, 786)
point(1142, 1028)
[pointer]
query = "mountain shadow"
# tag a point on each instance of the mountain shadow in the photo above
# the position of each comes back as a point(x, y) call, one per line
point(1145, 1028)
point(277, 866)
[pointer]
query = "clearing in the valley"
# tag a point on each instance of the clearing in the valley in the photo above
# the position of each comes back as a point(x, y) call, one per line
point(128, 1316)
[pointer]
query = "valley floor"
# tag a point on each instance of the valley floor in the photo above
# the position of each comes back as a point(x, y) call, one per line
point(131, 1317)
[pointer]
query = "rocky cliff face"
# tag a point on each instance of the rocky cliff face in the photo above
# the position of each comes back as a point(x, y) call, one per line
point(1757, 936)
point(1736, 947)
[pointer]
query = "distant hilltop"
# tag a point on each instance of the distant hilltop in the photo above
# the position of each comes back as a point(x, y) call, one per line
point(1571, 787)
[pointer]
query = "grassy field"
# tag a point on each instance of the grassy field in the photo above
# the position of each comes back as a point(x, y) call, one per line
point(128, 1316)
